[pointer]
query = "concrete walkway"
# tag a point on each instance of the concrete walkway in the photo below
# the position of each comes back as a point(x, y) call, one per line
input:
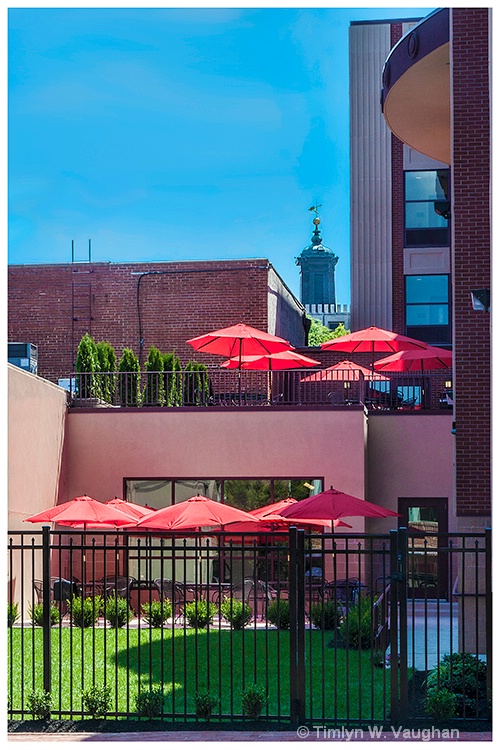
point(314, 735)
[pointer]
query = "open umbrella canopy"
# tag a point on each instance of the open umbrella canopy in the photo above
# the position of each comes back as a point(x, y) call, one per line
point(85, 512)
point(432, 358)
point(373, 339)
point(195, 513)
point(285, 360)
point(335, 504)
point(346, 370)
point(238, 341)
point(132, 509)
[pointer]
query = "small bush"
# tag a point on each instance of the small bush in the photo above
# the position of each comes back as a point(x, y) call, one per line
point(12, 614)
point(149, 703)
point(253, 701)
point(200, 613)
point(97, 700)
point(463, 675)
point(441, 704)
point(85, 612)
point(278, 613)
point(36, 614)
point(204, 705)
point(117, 611)
point(326, 615)
point(357, 628)
point(237, 613)
point(156, 613)
point(39, 704)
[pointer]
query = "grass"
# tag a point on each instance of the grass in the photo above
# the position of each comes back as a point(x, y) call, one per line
point(340, 684)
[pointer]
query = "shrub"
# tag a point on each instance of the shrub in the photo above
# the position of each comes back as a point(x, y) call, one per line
point(463, 675)
point(173, 379)
point(117, 611)
point(237, 613)
point(199, 613)
point(278, 613)
point(97, 700)
point(87, 363)
point(85, 612)
point(253, 701)
point(36, 614)
point(107, 365)
point(204, 705)
point(326, 615)
point(129, 378)
point(154, 392)
point(12, 613)
point(155, 613)
point(39, 704)
point(149, 703)
point(357, 628)
point(441, 704)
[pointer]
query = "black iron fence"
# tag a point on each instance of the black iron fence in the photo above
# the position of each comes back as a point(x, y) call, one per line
point(214, 387)
point(293, 628)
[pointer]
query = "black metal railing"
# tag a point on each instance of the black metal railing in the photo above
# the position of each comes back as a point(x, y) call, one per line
point(215, 387)
point(326, 629)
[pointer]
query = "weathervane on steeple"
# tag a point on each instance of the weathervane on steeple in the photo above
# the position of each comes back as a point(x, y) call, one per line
point(315, 209)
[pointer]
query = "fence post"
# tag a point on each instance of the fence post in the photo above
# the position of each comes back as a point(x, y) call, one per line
point(489, 613)
point(301, 628)
point(292, 599)
point(47, 680)
point(403, 622)
point(394, 625)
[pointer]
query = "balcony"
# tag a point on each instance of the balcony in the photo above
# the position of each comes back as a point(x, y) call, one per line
point(291, 389)
point(415, 94)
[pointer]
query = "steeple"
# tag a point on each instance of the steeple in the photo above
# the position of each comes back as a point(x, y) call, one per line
point(317, 268)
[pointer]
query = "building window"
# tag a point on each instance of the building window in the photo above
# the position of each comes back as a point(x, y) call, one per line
point(428, 308)
point(426, 208)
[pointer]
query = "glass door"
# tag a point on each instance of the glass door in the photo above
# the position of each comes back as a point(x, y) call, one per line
point(427, 523)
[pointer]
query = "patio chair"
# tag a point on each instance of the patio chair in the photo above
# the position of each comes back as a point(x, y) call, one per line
point(63, 590)
point(116, 585)
point(174, 591)
point(256, 593)
point(38, 589)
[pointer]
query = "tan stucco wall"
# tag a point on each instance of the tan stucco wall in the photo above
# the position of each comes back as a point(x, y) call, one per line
point(36, 421)
point(408, 456)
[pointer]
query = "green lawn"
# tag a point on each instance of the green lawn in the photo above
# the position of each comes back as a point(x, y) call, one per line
point(340, 684)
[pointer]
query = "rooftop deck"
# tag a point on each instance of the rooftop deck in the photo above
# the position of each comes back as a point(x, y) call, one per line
point(213, 388)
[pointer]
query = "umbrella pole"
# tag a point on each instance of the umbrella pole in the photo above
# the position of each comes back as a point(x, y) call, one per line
point(239, 372)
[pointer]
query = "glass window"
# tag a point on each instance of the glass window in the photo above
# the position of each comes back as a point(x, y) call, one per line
point(426, 200)
point(427, 315)
point(155, 493)
point(421, 289)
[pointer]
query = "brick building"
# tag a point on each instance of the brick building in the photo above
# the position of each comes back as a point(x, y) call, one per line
point(137, 305)
point(421, 174)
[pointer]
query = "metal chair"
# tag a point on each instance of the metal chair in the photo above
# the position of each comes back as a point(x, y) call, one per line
point(174, 591)
point(117, 585)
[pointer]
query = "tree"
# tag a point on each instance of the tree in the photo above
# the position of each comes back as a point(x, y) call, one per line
point(107, 365)
point(319, 333)
point(129, 378)
point(173, 379)
point(154, 394)
point(87, 365)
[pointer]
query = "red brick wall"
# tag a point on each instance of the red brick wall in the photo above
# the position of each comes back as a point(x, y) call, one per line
point(192, 298)
point(471, 251)
point(398, 309)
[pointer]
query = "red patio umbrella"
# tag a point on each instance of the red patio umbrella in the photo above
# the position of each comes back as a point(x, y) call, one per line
point(84, 511)
point(136, 511)
point(432, 358)
point(195, 513)
point(285, 360)
point(270, 519)
point(346, 370)
point(238, 341)
point(335, 504)
point(373, 340)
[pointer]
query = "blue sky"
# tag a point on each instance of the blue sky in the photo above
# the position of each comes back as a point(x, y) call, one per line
point(180, 134)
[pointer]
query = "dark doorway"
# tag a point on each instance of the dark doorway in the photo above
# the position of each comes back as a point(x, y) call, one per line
point(427, 522)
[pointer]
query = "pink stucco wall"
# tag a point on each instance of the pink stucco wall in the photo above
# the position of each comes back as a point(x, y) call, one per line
point(104, 446)
point(408, 455)
point(36, 422)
